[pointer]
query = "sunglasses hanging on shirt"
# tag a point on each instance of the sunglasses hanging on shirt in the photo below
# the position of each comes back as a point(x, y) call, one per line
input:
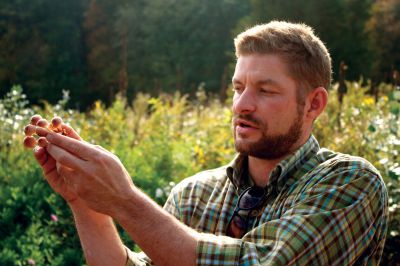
point(249, 205)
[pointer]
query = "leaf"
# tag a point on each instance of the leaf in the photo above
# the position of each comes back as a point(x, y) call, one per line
point(371, 128)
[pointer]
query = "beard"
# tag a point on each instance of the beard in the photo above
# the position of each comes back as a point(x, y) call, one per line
point(269, 147)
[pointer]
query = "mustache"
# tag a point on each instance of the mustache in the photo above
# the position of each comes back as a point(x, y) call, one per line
point(247, 117)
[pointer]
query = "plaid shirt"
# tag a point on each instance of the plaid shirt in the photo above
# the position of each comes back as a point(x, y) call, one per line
point(328, 209)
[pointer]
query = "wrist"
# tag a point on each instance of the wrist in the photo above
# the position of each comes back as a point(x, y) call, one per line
point(129, 205)
point(79, 207)
point(85, 214)
point(77, 203)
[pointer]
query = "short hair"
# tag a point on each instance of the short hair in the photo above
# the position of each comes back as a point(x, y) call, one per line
point(305, 55)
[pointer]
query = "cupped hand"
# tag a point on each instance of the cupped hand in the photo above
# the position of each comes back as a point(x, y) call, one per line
point(47, 162)
point(55, 180)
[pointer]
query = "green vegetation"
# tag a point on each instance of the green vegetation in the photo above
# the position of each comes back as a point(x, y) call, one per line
point(161, 141)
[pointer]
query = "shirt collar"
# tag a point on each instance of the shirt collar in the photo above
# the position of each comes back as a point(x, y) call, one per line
point(237, 170)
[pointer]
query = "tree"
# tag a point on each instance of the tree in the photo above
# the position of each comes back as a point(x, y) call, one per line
point(179, 45)
point(41, 48)
point(101, 53)
point(340, 25)
point(384, 30)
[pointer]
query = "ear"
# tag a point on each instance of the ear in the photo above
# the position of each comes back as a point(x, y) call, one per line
point(316, 102)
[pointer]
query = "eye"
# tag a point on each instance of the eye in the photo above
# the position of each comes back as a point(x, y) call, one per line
point(238, 89)
point(267, 91)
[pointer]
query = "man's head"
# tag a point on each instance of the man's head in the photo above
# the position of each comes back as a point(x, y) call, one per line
point(280, 79)
point(307, 59)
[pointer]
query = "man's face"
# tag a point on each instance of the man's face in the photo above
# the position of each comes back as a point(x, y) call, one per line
point(267, 119)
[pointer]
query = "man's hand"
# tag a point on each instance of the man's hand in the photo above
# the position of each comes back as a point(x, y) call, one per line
point(99, 238)
point(55, 180)
point(102, 183)
point(47, 162)
point(94, 174)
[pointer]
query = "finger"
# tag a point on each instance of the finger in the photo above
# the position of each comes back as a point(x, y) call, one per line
point(29, 130)
point(35, 119)
point(56, 124)
point(42, 142)
point(70, 132)
point(59, 184)
point(29, 142)
point(98, 147)
point(79, 148)
point(64, 157)
point(41, 131)
point(47, 163)
point(42, 123)
point(65, 129)
point(40, 155)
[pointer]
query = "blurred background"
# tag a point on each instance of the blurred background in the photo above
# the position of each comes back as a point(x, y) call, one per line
point(96, 48)
point(149, 80)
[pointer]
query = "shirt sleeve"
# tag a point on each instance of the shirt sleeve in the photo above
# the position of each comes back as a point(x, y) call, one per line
point(335, 221)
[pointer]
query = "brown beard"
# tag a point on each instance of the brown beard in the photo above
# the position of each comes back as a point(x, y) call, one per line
point(270, 147)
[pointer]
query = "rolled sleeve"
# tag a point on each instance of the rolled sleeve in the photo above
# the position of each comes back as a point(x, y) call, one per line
point(218, 250)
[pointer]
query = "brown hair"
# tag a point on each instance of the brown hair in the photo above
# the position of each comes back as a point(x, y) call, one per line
point(307, 58)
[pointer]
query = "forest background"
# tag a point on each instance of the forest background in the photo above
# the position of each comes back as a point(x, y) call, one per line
point(149, 80)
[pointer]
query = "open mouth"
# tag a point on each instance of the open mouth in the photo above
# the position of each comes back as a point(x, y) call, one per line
point(244, 124)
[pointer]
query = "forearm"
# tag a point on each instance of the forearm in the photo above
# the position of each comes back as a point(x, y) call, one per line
point(101, 180)
point(160, 235)
point(99, 238)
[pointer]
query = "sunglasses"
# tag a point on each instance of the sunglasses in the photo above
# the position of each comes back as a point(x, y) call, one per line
point(248, 206)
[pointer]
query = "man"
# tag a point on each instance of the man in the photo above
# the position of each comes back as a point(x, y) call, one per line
point(282, 200)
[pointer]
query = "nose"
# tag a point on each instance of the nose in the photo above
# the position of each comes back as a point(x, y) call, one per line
point(244, 102)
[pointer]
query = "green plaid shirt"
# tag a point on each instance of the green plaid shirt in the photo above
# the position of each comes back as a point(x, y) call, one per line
point(328, 209)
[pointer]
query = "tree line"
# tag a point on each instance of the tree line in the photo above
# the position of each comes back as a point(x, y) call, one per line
point(98, 48)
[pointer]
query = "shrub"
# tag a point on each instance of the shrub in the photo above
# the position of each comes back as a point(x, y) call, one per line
point(161, 141)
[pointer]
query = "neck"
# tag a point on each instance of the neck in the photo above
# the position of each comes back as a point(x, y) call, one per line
point(260, 169)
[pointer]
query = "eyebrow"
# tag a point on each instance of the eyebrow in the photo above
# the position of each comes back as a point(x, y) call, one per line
point(260, 82)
